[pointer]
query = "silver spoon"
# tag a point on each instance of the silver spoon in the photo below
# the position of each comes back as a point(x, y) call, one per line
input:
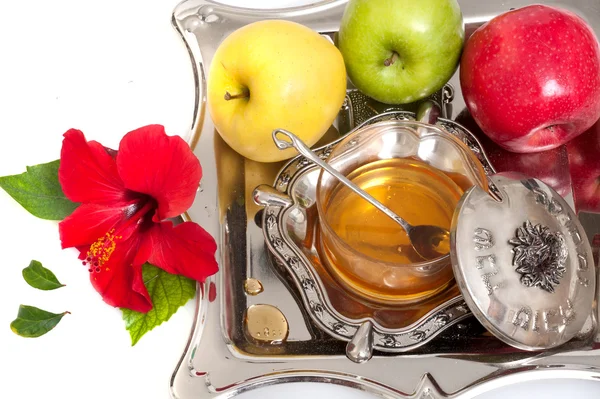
point(429, 242)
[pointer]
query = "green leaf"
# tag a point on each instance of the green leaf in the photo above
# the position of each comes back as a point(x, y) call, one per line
point(168, 293)
point(39, 277)
point(32, 322)
point(39, 191)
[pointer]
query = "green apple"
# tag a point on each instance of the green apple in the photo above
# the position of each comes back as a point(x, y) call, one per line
point(400, 51)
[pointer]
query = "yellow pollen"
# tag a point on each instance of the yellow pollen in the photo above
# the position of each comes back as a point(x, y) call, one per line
point(100, 251)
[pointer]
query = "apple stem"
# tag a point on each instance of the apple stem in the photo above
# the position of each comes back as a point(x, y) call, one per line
point(243, 94)
point(391, 60)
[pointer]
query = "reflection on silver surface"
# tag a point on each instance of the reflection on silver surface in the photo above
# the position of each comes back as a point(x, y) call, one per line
point(462, 362)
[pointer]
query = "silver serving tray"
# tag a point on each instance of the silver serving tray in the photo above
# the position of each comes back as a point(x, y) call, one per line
point(462, 361)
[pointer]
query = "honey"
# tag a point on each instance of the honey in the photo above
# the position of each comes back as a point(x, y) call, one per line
point(253, 286)
point(369, 252)
point(265, 324)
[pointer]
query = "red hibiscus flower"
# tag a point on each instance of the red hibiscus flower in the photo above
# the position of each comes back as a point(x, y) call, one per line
point(125, 197)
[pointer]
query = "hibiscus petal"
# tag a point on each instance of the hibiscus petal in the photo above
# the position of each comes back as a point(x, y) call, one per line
point(87, 173)
point(144, 250)
point(185, 249)
point(89, 222)
point(161, 166)
point(119, 280)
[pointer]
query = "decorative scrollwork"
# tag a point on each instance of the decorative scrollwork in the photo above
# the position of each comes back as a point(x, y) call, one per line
point(326, 152)
point(317, 308)
point(540, 256)
point(271, 220)
point(388, 341)
point(284, 179)
point(302, 162)
point(294, 262)
point(323, 154)
point(462, 308)
point(309, 284)
point(277, 243)
point(339, 328)
point(418, 335)
point(441, 319)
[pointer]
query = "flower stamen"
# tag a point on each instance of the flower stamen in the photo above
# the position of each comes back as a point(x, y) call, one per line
point(101, 250)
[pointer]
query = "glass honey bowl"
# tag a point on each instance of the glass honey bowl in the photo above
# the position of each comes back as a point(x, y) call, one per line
point(417, 170)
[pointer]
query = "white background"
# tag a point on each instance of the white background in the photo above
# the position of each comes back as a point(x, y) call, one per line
point(104, 67)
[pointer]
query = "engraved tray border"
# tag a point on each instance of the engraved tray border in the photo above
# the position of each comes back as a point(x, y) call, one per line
point(210, 366)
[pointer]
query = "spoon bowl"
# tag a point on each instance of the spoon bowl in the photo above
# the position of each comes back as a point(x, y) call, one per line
point(430, 242)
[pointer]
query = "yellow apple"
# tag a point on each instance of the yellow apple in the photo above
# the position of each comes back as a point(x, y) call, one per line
point(274, 74)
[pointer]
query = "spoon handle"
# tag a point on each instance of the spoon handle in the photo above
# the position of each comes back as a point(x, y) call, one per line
point(303, 149)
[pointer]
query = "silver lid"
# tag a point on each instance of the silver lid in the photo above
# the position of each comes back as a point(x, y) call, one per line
point(524, 265)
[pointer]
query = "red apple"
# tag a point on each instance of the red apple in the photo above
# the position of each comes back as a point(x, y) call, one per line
point(531, 78)
point(551, 166)
point(584, 164)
